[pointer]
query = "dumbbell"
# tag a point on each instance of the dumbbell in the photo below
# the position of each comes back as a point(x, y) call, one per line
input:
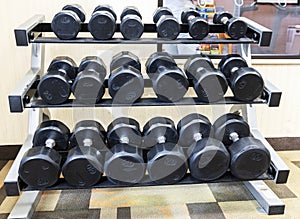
point(249, 156)
point(235, 27)
point(89, 83)
point(124, 163)
point(208, 157)
point(40, 166)
point(66, 24)
point(166, 162)
point(209, 83)
point(55, 86)
point(131, 26)
point(198, 27)
point(125, 83)
point(84, 164)
point(245, 82)
point(167, 25)
point(169, 82)
point(102, 24)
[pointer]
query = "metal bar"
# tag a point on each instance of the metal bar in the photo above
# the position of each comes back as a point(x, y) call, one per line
point(272, 94)
point(268, 200)
point(25, 206)
point(22, 33)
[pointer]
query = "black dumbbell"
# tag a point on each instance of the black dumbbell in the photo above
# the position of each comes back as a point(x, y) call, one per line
point(125, 83)
point(40, 166)
point(66, 24)
point(89, 83)
point(198, 27)
point(102, 24)
point(208, 157)
point(131, 25)
point(124, 163)
point(235, 27)
point(169, 82)
point(84, 164)
point(245, 82)
point(166, 162)
point(55, 86)
point(167, 25)
point(249, 156)
point(210, 84)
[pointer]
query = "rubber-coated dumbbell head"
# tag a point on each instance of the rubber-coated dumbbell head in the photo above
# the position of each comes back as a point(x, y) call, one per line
point(131, 25)
point(198, 27)
point(125, 58)
point(190, 126)
point(102, 24)
point(54, 87)
point(249, 158)
point(228, 124)
point(209, 83)
point(246, 83)
point(166, 163)
point(88, 85)
point(124, 164)
point(89, 130)
point(166, 24)
point(40, 165)
point(220, 15)
point(124, 130)
point(236, 28)
point(67, 23)
point(158, 59)
point(159, 129)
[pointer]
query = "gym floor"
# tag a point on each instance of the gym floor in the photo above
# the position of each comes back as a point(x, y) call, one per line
point(213, 200)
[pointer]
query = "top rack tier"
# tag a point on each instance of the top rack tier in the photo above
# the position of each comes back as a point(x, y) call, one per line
point(32, 32)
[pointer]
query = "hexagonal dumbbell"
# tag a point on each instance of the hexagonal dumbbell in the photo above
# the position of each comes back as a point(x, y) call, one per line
point(125, 83)
point(235, 27)
point(169, 82)
point(245, 82)
point(40, 166)
point(66, 24)
point(124, 163)
point(208, 157)
point(249, 157)
point(166, 162)
point(55, 86)
point(167, 25)
point(88, 86)
point(131, 26)
point(198, 27)
point(84, 164)
point(210, 84)
point(102, 24)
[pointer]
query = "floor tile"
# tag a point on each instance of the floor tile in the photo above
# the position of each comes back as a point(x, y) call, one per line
point(123, 213)
point(297, 163)
point(68, 214)
point(205, 210)
point(74, 199)
point(48, 200)
point(281, 190)
point(8, 204)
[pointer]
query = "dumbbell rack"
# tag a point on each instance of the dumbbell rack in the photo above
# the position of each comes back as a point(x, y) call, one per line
point(24, 96)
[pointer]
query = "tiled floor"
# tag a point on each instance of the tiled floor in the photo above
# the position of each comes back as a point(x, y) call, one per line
point(214, 200)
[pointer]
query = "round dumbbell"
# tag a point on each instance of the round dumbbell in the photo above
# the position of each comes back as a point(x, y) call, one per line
point(89, 83)
point(102, 24)
point(198, 27)
point(125, 83)
point(169, 82)
point(131, 25)
point(84, 164)
point(208, 158)
point(40, 166)
point(245, 82)
point(167, 25)
point(166, 162)
point(249, 157)
point(55, 86)
point(210, 84)
point(235, 27)
point(66, 24)
point(124, 163)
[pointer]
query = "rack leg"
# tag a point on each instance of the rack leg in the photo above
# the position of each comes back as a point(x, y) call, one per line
point(26, 205)
point(267, 199)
